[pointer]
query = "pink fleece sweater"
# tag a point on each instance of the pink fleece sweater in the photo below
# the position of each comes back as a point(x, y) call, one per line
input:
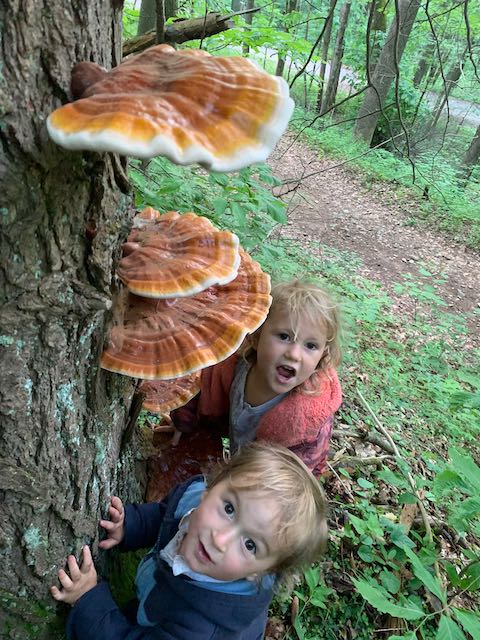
point(301, 422)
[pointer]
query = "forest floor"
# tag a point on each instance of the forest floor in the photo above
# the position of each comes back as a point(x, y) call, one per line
point(335, 208)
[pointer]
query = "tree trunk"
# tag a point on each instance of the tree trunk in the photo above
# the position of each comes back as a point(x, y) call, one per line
point(451, 78)
point(290, 5)
point(63, 219)
point(385, 69)
point(248, 19)
point(379, 25)
point(324, 54)
point(336, 65)
point(472, 156)
point(426, 62)
point(148, 14)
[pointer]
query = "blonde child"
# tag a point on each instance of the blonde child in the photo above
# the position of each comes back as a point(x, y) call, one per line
point(219, 548)
point(282, 387)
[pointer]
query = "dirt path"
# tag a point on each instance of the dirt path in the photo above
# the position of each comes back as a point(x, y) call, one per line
point(335, 209)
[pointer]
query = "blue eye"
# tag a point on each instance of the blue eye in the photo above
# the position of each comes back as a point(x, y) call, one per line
point(311, 346)
point(283, 336)
point(229, 508)
point(250, 546)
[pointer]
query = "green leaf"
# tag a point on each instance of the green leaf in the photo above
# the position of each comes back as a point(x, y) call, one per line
point(395, 479)
point(469, 620)
point(470, 577)
point(219, 204)
point(276, 209)
point(218, 178)
point(365, 484)
point(406, 498)
point(375, 596)
point(466, 467)
point(429, 581)
point(366, 553)
point(390, 581)
point(452, 574)
point(312, 576)
point(238, 212)
point(320, 596)
point(299, 629)
point(445, 481)
point(448, 629)
point(359, 525)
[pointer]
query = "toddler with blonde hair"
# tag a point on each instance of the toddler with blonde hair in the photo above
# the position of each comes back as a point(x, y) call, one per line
point(282, 385)
point(219, 548)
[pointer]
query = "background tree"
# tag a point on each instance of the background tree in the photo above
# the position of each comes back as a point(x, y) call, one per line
point(337, 57)
point(472, 155)
point(64, 215)
point(386, 69)
point(148, 14)
point(290, 6)
point(324, 54)
point(250, 4)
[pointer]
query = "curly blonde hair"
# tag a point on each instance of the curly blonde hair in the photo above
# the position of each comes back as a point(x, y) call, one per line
point(280, 474)
point(301, 298)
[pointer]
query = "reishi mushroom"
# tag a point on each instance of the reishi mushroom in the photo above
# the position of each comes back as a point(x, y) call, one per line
point(162, 396)
point(169, 338)
point(176, 255)
point(224, 113)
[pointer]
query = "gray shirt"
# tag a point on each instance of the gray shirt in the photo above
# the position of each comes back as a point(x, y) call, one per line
point(244, 418)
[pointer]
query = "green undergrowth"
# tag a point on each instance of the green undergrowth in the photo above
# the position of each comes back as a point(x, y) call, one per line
point(379, 571)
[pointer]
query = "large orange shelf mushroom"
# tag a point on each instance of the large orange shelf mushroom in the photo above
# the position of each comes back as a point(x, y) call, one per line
point(162, 339)
point(163, 396)
point(224, 113)
point(171, 255)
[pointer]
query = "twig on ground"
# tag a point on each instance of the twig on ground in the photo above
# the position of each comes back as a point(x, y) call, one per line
point(373, 438)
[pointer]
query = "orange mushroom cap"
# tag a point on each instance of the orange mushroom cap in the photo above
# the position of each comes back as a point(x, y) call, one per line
point(177, 255)
point(222, 112)
point(163, 396)
point(162, 339)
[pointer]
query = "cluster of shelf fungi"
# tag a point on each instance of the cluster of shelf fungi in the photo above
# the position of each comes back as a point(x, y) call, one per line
point(189, 294)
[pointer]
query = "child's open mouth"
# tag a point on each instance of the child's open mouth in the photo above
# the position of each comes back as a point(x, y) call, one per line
point(285, 373)
point(202, 552)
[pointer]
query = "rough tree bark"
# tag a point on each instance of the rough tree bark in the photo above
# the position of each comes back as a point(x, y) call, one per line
point(63, 217)
point(386, 69)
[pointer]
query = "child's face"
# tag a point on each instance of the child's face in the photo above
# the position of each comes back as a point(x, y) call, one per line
point(287, 352)
point(231, 534)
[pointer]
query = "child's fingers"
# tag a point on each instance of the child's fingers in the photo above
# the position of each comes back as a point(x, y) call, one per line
point(108, 543)
point(56, 593)
point(64, 579)
point(87, 562)
point(115, 515)
point(108, 525)
point(117, 504)
point(73, 568)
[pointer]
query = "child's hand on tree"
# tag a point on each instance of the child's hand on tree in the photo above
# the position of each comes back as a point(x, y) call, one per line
point(115, 526)
point(81, 579)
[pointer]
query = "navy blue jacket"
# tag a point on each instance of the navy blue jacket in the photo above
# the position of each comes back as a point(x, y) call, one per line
point(184, 610)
